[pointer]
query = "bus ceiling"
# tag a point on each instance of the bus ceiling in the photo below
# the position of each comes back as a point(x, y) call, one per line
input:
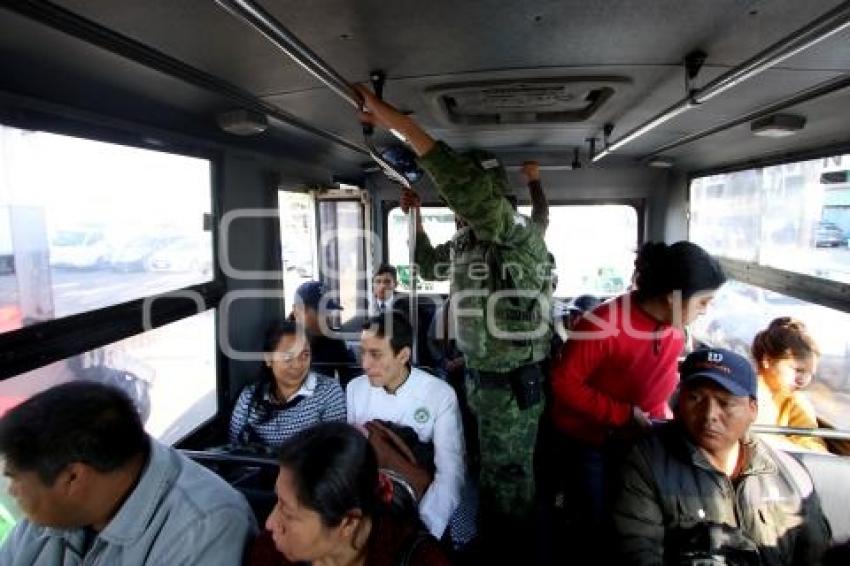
point(516, 79)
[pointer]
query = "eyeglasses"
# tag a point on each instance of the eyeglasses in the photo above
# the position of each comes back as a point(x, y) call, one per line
point(290, 356)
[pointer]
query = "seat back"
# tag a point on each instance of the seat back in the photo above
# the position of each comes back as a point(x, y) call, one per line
point(831, 477)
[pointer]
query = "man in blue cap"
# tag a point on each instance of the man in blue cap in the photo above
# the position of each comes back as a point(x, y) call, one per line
point(702, 488)
point(330, 356)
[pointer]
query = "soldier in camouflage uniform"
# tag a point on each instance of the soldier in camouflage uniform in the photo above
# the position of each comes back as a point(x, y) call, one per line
point(501, 292)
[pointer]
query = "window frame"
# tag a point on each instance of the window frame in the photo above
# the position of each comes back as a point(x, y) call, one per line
point(639, 205)
point(40, 344)
point(816, 290)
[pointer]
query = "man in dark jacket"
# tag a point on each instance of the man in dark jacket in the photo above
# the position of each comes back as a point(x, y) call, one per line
point(701, 488)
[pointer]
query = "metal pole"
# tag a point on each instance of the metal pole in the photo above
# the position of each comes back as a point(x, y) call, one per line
point(93, 33)
point(266, 24)
point(836, 434)
point(827, 25)
point(811, 93)
point(253, 14)
point(414, 311)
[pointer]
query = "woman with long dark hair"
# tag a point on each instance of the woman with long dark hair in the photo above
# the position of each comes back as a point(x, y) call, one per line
point(333, 507)
point(288, 397)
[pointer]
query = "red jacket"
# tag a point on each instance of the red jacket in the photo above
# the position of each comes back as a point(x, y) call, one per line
point(617, 357)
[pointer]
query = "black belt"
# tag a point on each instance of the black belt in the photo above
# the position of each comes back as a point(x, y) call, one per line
point(493, 380)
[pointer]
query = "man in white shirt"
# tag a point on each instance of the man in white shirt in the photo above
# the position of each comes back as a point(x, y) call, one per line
point(393, 391)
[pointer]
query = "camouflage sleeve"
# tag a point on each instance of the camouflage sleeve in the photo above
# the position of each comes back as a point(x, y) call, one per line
point(429, 258)
point(470, 192)
point(539, 205)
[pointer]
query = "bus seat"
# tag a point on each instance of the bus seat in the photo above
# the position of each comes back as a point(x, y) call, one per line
point(253, 476)
point(829, 474)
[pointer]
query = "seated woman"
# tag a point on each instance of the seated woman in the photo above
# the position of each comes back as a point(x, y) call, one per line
point(786, 358)
point(288, 397)
point(333, 507)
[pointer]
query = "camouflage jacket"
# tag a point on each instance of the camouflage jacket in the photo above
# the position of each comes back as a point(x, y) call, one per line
point(498, 265)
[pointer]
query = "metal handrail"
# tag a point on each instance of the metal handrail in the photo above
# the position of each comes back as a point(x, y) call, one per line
point(253, 14)
point(811, 93)
point(266, 24)
point(256, 16)
point(837, 434)
point(68, 22)
point(816, 31)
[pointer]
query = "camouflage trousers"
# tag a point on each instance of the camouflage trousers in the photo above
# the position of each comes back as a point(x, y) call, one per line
point(507, 438)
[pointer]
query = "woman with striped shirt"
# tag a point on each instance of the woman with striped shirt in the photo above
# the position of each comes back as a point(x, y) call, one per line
point(288, 397)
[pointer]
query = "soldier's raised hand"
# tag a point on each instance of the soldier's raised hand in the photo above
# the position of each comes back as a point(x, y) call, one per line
point(531, 171)
point(377, 112)
point(409, 199)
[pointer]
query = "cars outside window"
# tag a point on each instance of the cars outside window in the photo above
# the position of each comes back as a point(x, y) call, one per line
point(82, 225)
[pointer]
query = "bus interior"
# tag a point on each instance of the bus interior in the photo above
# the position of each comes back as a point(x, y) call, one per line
point(170, 172)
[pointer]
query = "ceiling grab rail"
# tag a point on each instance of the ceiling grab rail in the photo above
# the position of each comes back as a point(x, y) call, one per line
point(74, 25)
point(253, 14)
point(814, 32)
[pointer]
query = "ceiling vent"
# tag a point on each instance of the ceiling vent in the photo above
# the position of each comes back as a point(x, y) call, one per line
point(525, 101)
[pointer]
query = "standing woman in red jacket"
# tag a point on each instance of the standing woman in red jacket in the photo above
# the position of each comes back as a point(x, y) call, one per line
point(619, 367)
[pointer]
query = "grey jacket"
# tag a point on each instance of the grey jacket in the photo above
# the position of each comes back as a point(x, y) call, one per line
point(668, 487)
point(180, 513)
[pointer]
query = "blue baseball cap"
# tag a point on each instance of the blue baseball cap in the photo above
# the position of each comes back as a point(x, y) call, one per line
point(584, 303)
point(310, 295)
point(729, 370)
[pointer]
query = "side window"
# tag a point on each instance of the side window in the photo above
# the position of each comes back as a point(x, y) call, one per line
point(342, 261)
point(794, 217)
point(82, 225)
point(297, 242)
point(439, 224)
point(168, 372)
point(739, 311)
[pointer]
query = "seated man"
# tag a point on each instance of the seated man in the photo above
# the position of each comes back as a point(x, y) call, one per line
point(385, 298)
point(97, 490)
point(330, 356)
point(700, 487)
point(393, 391)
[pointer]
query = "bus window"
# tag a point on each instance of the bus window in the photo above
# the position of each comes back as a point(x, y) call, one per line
point(297, 242)
point(794, 217)
point(439, 224)
point(83, 226)
point(739, 311)
point(342, 262)
point(603, 268)
point(169, 372)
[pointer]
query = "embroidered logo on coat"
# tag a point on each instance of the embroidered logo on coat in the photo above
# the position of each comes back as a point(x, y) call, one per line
point(421, 415)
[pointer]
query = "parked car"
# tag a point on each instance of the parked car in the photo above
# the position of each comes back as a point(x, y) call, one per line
point(829, 235)
point(185, 254)
point(79, 249)
point(134, 255)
